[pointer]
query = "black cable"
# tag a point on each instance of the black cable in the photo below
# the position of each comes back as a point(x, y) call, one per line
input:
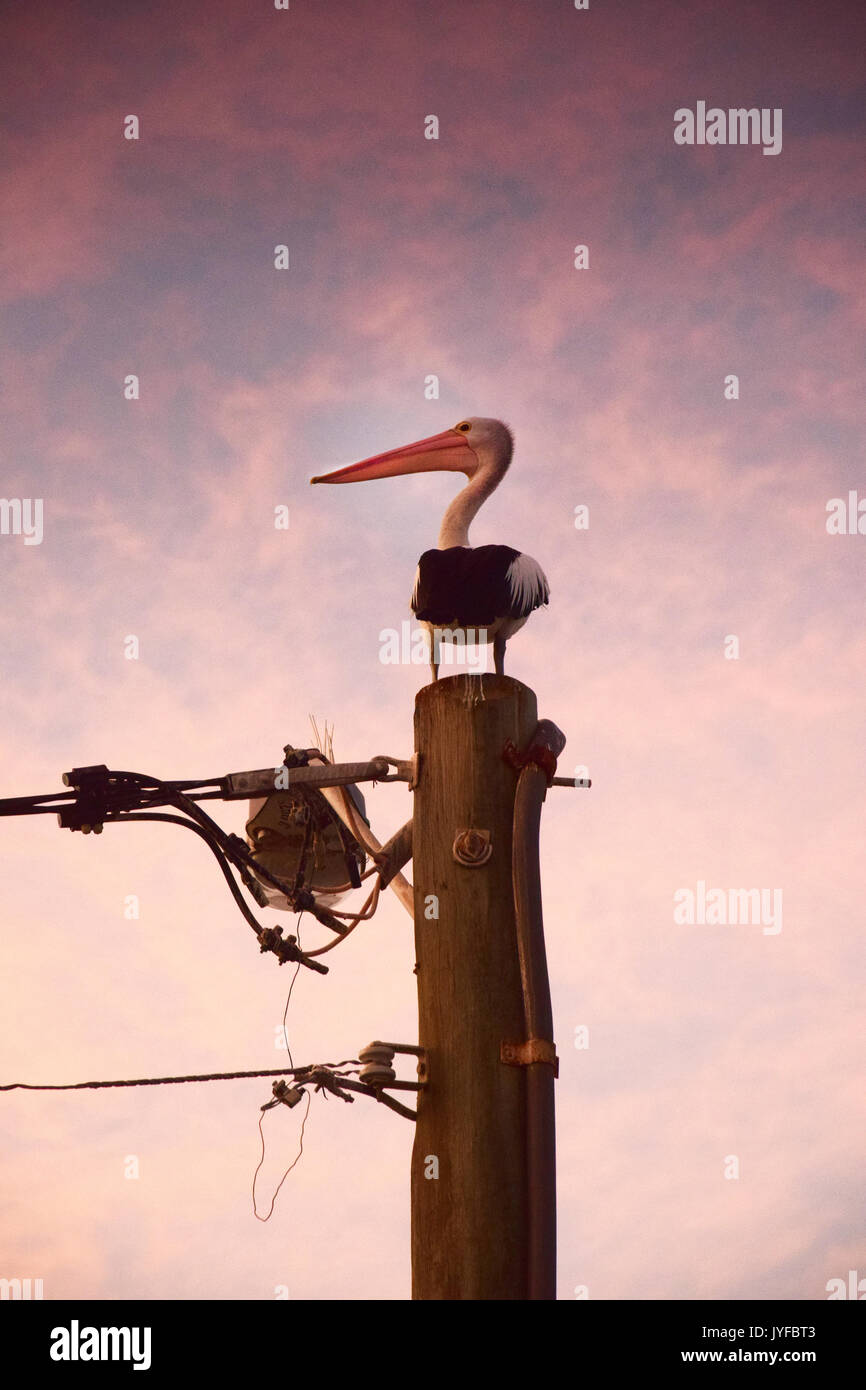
point(270, 939)
point(240, 855)
point(173, 794)
point(146, 785)
point(30, 805)
point(214, 848)
point(177, 1080)
point(107, 796)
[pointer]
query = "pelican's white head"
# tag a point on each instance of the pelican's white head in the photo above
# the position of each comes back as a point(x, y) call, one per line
point(491, 441)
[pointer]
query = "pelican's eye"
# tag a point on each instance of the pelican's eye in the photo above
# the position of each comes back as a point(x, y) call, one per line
point(464, 426)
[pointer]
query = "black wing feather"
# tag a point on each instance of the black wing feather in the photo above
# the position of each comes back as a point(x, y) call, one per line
point(467, 586)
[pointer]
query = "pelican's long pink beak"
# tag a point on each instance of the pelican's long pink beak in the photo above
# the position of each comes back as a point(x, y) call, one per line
point(449, 450)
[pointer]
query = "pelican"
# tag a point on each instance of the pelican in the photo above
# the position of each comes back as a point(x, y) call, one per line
point(486, 594)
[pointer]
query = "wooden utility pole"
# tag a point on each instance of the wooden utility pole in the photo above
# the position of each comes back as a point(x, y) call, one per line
point(472, 1208)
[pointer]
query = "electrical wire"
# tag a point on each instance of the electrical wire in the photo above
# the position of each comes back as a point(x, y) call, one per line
point(121, 819)
point(177, 1080)
point(362, 916)
point(150, 792)
point(289, 996)
point(293, 1164)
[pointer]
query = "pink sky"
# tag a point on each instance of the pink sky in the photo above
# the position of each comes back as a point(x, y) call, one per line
point(707, 518)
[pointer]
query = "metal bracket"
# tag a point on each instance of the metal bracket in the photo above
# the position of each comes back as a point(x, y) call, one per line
point(414, 766)
point(240, 785)
point(525, 1054)
point(544, 748)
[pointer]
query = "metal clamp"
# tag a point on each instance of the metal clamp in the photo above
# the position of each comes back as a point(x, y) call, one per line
point(526, 1054)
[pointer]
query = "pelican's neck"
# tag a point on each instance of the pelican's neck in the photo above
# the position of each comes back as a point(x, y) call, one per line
point(462, 511)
